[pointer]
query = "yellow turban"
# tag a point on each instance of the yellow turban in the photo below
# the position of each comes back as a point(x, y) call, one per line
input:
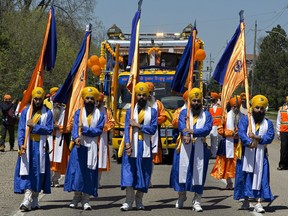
point(53, 90)
point(38, 92)
point(150, 86)
point(141, 88)
point(259, 100)
point(195, 93)
point(89, 91)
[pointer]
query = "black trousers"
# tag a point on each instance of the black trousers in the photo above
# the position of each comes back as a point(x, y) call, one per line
point(10, 129)
point(284, 150)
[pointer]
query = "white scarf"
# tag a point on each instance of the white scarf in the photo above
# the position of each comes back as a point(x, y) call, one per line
point(230, 125)
point(146, 137)
point(91, 142)
point(185, 152)
point(59, 140)
point(155, 137)
point(254, 163)
point(103, 147)
point(25, 159)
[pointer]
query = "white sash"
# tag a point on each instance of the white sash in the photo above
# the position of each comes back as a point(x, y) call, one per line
point(253, 163)
point(91, 142)
point(103, 146)
point(24, 163)
point(155, 137)
point(59, 140)
point(185, 152)
point(229, 145)
point(146, 137)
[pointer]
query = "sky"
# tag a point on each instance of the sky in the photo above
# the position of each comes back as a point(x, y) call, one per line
point(216, 20)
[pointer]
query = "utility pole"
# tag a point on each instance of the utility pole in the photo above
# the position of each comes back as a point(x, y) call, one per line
point(254, 58)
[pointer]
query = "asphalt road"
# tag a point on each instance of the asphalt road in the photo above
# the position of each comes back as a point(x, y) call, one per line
point(159, 201)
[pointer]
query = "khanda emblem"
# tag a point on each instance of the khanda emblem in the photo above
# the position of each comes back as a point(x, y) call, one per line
point(141, 89)
point(196, 94)
point(238, 66)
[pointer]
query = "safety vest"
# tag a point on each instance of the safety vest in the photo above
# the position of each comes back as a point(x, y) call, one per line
point(283, 119)
point(217, 116)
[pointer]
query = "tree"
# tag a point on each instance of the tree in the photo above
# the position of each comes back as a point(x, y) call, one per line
point(22, 27)
point(270, 75)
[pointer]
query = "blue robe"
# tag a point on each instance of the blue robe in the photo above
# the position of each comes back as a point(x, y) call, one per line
point(136, 172)
point(174, 176)
point(244, 180)
point(78, 176)
point(35, 180)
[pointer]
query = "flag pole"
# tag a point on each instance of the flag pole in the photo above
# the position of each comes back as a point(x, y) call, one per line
point(191, 71)
point(115, 82)
point(246, 84)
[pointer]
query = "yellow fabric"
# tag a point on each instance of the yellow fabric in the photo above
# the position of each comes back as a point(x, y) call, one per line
point(89, 118)
point(195, 93)
point(38, 92)
point(259, 100)
point(141, 88)
point(195, 118)
point(257, 126)
point(121, 148)
point(178, 143)
point(89, 91)
point(48, 104)
point(35, 137)
point(36, 117)
point(141, 116)
point(71, 145)
point(53, 90)
point(238, 150)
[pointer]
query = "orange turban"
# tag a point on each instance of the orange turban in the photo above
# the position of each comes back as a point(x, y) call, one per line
point(150, 86)
point(214, 95)
point(243, 96)
point(185, 95)
point(101, 97)
point(89, 91)
point(7, 97)
point(235, 101)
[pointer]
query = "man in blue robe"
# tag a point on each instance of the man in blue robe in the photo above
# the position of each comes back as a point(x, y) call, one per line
point(252, 171)
point(82, 171)
point(136, 167)
point(32, 173)
point(190, 162)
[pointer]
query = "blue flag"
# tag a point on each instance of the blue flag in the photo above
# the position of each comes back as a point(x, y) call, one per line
point(51, 47)
point(64, 93)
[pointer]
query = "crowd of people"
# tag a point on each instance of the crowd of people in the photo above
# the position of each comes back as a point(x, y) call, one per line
point(48, 150)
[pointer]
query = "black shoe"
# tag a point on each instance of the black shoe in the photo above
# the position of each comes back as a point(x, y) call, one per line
point(280, 168)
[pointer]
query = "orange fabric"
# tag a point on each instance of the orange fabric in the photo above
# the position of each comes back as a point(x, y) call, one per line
point(161, 112)
point(176, 117)
point(61, 167)
point(101, 97)
point(110, 122)
point(225, 132)
point(224, 167)
point(283, 119)
point(157, 158)
point(217, 116)
point(214, 95)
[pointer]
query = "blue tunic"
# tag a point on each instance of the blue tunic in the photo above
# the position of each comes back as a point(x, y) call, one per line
point(174, 176)
point(244, 180)
point(35, 180)
point(136, 172)
point(78, 176)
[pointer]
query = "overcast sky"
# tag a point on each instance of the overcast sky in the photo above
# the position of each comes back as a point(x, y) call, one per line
point(216, 20)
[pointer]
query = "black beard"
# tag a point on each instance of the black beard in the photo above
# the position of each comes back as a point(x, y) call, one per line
point(196, 109)
point(37, 106)
point(258, 116)
point(89, 107)
point(141, 103)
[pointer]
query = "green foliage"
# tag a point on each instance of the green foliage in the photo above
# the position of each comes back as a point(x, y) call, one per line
point(270, 76)
point(22, 27)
